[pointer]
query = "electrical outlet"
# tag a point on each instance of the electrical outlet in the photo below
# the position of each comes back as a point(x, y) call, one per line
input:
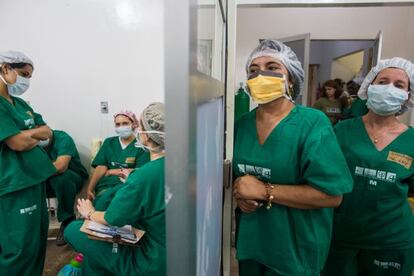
point(104, 108)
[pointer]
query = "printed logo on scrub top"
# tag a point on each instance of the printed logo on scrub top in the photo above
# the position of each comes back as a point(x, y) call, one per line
point(333, 110)
point(29, 122)
point(375, 174)
point(387, 265)
point(28, 210)
point(119, 165)
point(255, 170)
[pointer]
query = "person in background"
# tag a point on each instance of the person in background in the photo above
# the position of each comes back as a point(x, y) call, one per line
point(329, 102)
point(352, 87)
point(347, 99)
point(340, 83)
point(358, 106)
point(140, 202)
point(69, 178)
point(373, 230)
point(289, 172)
point(24, 168)
point(117, 157)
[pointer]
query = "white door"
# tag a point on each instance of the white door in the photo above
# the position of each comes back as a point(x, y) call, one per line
point(300, 44)
point(376, 49)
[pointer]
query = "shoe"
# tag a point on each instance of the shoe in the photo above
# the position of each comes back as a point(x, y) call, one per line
point(60, 240)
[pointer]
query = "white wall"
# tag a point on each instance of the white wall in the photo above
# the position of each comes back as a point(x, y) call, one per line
point(410, 39)
point(324, 52)
point(325, 23)
point(87, 51)
point(347, 67)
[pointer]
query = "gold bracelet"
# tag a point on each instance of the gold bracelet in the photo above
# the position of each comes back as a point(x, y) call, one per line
point(269, 195)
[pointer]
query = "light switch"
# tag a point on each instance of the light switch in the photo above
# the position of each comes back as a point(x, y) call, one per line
point(104, 107)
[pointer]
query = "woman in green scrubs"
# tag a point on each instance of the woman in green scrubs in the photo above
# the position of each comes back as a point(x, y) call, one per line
point(140, 202)
point(289, 172)
point(24, 167)
point(68, 181)
point(373, 231)
point(117, 157)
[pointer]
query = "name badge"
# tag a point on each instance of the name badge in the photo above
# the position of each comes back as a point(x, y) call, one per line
point(130, 160)
point(399, 158)
point(333, 110)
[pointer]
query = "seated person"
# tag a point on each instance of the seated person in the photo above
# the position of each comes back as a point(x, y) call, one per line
point(69, 179)
point(139, 202)
point(117, 157)
point(329, 102)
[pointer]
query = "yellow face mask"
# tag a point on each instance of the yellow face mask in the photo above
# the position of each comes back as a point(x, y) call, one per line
point(265, 87)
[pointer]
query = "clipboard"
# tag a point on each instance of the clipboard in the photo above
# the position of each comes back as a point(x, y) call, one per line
point(95, 235)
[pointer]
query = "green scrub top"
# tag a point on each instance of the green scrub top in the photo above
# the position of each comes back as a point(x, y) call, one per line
point(376, 215)
point(141, 203)
point(302, 149)
point(20, 169)
point(332, 108)
point(113, 156)
point(358, 108)
point(62, 144)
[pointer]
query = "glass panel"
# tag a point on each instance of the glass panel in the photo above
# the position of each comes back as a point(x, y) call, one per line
point(210, 124)
point(210, 41)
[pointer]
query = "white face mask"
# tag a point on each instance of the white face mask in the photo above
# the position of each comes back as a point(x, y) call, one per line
point(139, 144)
point(19, 87)
point(385, 100)
point(124, 131)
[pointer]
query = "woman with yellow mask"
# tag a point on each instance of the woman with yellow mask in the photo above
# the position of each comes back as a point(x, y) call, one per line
point(289, 172)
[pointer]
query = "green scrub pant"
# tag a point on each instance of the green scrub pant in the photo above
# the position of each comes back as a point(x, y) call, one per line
point(101, 258)
point(102, 201)
point(24, 224)
point(66, 186)
point(253, 268)
point(346, 261)
point(106, 183)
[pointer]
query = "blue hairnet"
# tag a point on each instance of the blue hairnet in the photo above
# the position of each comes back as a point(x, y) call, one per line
point(14, 57)
point(280, 51)
point(395, 62)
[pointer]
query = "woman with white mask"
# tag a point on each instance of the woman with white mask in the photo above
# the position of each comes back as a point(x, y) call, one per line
point(117, 157)
point(139, 202)
point(24, 168)
point(373, 231)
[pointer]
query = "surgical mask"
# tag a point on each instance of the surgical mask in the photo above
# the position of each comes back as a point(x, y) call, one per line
point(124, 131)
point(44, 143)
point(139, 144)
point(385, 100)
point(265, 86)
point(19, 87)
